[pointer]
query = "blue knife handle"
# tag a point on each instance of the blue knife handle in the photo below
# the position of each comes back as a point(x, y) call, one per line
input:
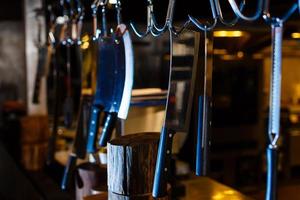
point(199, 147)
point(93, 129)
point(163, 163)
point(203, 135)
point(271, 193)
point(69, 169)
point(107, 129)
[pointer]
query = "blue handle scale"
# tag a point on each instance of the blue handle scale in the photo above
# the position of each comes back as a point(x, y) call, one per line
point(163, 163)
point(108, 128)
point(93, 129)
point(70, 167)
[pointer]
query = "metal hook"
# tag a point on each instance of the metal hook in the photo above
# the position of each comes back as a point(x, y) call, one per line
point(169, 22)
point(151, 22)
point(220, 14)
point(207, 26)
point(239, 13)
point(273, 20)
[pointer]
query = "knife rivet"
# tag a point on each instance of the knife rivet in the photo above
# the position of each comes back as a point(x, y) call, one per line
point(210, 123)
point(93, 122)
point(166, 169)
point(91, 133)
point(170, 135)
point(95, 111)
point(168, 151)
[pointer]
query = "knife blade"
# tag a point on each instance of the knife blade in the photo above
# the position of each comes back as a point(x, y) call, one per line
point(204, 108)
point(125, 62)
point(79, 146)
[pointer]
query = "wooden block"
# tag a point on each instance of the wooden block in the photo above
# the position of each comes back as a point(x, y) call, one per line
point(131, 163)
point(34, 129)
point(33, 156)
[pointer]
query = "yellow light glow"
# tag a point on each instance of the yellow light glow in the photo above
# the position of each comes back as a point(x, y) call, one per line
point(85, 45)
point(85, 38)
point(296, 35)
point(220, 51)
point(229, 192)
point(218, 196)
point(240, 54)
point(228, 33)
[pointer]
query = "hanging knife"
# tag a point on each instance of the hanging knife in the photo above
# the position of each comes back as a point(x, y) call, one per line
point(165, 143)
point(124, 50)
point(275, 94)
point(274, 113)
point(42, 59)
point(79, 146)
point(204, 108)
point(110, 83)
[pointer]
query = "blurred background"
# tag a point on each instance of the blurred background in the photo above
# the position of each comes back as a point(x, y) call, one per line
point(240, 92)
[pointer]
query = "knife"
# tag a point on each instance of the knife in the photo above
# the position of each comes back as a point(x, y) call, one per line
point(42, 60)
point(109, 81)
point(165, 143)
point(125, 62)
point(79, 146)
point(204, 108)
point(274, 113)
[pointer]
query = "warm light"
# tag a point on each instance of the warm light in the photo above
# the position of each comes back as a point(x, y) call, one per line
point(257, 56)
point(240, 54)
point(85, 38)
point(220, 51)
point(229, 192)
point(296, 35)
point(218, 196)
point(85, 45)
point(228, 33)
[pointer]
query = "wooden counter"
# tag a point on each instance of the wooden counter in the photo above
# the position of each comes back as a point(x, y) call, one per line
point(201, 188)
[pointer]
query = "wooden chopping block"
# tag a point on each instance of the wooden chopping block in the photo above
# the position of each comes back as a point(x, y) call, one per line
point(131, 166)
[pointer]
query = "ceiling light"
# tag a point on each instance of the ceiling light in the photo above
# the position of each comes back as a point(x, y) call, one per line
point(228, 33)
point(295, 35)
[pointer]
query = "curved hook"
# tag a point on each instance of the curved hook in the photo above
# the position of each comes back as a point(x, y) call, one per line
point(275, 20)
point(220, 14)
point(151, 23)
point(207, 26)
point(169, 22)
point(239, 13)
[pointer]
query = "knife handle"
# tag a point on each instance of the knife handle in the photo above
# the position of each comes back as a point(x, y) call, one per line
point(163, 163)
point(203, 135)
point(79, 146)
point(69, 169)
point(271, 193)
point(93, 129)
point(107, 129)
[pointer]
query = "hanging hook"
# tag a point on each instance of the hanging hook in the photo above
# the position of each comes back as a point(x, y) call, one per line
point(169, 22)
point(207, 26)
point(151, 23)
point(239, 13)
point(220, 14)
point(273, 20)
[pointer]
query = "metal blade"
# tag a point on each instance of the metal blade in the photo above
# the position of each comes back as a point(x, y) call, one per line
point(129, 73)
point(110, 74)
